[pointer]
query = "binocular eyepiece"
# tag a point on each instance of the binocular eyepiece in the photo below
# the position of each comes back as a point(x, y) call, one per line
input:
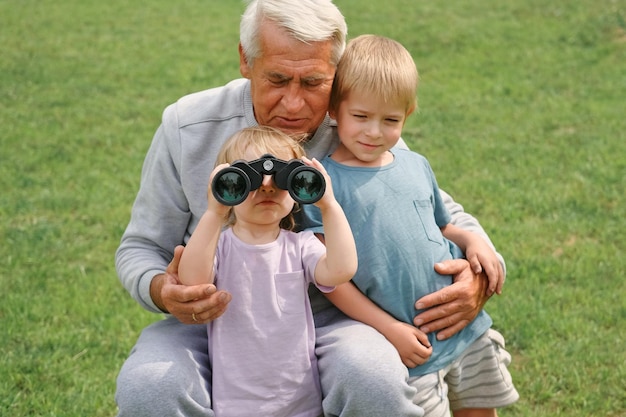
point(231, 185)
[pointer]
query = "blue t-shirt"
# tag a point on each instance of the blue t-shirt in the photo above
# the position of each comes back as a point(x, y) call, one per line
point(395, 213)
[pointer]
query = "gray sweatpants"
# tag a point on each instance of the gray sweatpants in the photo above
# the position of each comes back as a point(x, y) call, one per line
point(168, 374)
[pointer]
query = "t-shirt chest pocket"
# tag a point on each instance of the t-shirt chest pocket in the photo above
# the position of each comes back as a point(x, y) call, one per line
point(290, 292)
point(426, 214)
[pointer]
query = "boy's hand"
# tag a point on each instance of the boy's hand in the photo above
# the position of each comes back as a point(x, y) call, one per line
point(483, 259)
point(411, 343)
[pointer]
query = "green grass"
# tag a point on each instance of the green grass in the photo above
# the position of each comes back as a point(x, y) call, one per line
point(521, 114)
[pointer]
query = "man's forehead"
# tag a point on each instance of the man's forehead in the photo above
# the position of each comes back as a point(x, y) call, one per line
point(312, 76)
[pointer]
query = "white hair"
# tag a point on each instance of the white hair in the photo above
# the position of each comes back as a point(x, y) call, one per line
point(307, 20)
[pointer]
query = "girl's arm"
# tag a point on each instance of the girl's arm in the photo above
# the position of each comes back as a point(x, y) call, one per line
point(196, 263)
point(479, 254)
point(411, 343)
point(339, 263)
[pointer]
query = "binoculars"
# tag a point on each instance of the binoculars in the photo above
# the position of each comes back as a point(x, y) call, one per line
point(231, 185)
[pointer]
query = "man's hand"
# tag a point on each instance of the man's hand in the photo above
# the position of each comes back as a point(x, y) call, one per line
point(452, 308)
point(189, 304)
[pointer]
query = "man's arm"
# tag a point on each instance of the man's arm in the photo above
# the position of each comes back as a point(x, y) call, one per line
point(159, 220)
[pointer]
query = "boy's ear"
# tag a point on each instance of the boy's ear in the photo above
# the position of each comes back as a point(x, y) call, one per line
point(411, 110)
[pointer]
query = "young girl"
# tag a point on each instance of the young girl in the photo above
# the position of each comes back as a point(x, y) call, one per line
point(262, 348)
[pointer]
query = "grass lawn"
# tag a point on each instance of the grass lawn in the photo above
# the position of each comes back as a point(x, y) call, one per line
point(522, 116)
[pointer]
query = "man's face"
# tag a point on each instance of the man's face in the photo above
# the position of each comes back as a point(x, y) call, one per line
point(290, 82)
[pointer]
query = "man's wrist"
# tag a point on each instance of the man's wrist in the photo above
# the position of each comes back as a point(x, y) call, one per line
point(156, 285)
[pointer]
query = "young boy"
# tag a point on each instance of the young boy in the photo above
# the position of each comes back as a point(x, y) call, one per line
point(262, 348)
point(402, 229)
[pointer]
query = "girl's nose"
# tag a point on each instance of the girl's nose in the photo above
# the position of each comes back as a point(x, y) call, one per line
point(268, 185)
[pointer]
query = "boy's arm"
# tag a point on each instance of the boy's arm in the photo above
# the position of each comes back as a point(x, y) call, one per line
point(339, 263)
point(465, 221)
point(480, 255)
point(411, 343)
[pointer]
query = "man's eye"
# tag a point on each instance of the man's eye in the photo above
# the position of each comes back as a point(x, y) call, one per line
point(313, 83)
point(278, 82)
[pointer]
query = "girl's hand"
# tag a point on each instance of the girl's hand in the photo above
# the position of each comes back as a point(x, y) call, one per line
point(213, 204)
point(328, 198)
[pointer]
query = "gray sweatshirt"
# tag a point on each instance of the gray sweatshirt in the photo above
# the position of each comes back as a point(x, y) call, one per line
point(174, 181)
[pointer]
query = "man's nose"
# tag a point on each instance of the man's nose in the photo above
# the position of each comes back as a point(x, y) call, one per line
point(292, 99)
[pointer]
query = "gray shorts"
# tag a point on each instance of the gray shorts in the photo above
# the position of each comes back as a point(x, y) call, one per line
point(479, 378)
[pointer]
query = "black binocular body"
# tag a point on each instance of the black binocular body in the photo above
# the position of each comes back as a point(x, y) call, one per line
point(231, 185)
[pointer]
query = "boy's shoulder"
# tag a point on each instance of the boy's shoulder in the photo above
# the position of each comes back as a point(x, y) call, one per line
point(407, 154)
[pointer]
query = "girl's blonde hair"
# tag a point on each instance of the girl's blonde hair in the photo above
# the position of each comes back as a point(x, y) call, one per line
point(377, 66)
point(261, 140)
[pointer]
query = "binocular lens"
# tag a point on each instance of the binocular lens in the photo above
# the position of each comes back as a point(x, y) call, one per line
point(307, 186)
point(231, 187)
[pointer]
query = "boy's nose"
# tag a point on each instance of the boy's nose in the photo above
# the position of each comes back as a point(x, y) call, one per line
point(373, 129)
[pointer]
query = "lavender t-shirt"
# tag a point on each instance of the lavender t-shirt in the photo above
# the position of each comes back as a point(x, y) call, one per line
point(262, 348)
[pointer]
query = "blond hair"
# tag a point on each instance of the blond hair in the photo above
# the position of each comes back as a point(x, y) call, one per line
point(261, 140)
point(377, 66)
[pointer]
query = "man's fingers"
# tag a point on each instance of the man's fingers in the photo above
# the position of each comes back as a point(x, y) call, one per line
point(444, 324)
point(451, 266)
point(203, 310)
point(214, 306)
point(431, 323)
point(443, 296)
point(451, 330)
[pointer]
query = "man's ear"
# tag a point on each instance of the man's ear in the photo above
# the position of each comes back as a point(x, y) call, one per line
point(244, 68)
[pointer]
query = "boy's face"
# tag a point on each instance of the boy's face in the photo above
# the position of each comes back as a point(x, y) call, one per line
point(368, 127)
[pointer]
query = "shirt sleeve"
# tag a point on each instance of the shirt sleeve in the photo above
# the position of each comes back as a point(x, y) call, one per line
point(159, 217)
point(312, 251)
